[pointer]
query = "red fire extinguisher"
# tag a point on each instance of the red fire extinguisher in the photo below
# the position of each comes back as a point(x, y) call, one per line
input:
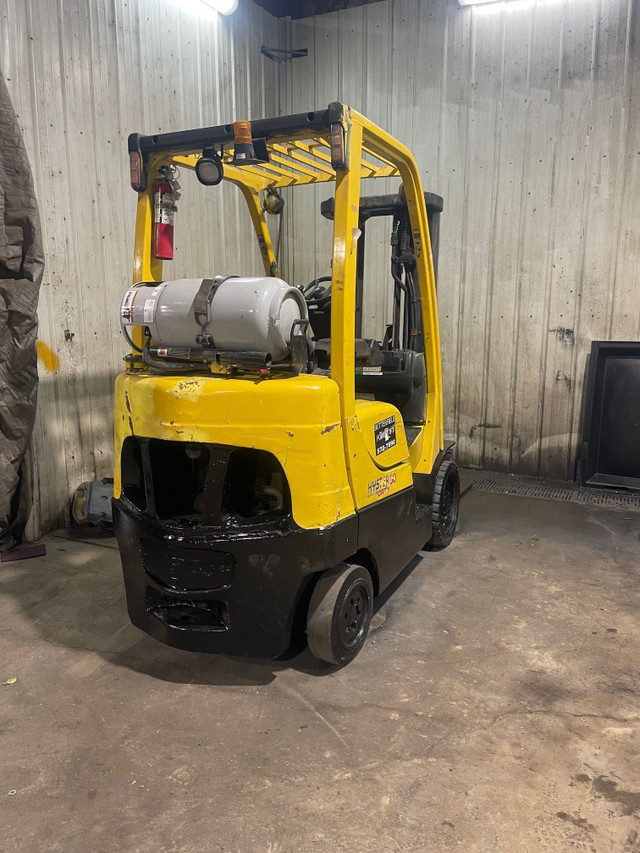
point(164, 209)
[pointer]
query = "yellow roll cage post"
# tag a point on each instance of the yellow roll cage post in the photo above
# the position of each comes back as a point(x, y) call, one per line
point(299, 158)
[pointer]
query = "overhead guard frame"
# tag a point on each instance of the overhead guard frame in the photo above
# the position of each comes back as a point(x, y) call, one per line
point(300, 154)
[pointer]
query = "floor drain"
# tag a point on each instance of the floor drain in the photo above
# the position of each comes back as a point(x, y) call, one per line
point(590, 497)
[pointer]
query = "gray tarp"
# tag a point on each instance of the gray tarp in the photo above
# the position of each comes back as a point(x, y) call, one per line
point(21, 267)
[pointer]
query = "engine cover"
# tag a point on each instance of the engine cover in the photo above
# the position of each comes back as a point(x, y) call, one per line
point(228, 313)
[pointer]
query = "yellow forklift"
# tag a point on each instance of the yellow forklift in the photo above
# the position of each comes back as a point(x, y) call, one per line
point(274, 470)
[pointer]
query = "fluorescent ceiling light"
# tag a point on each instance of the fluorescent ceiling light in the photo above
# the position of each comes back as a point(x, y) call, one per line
point(475, 2)
point(225, 7)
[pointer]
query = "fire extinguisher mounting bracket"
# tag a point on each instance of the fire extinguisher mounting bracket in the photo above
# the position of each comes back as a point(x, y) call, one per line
point(170, 174)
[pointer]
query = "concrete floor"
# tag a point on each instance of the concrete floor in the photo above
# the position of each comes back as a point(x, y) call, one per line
point(494, 708)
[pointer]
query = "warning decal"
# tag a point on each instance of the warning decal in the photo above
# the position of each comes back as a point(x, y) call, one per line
point(149, 310)
point(385, 434)
point(127, 306)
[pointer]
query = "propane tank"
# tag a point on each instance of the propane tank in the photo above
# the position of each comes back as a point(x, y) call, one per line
point(230, 313)
point(163, 212)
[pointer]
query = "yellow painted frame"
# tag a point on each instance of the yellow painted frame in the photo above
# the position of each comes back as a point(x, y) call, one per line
point(302, 159)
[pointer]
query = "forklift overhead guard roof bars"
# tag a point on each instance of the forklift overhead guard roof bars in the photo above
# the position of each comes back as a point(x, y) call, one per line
point(222, 134)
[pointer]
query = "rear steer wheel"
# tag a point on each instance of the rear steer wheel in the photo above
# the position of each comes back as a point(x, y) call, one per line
point(446, 504)
point(340, 613)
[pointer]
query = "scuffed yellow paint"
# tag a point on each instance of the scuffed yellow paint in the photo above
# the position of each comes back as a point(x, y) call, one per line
point(286, 417)
point(48, 357)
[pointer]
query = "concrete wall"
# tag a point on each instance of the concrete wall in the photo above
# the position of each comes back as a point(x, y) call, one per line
point(83, 74)
point(525, 116)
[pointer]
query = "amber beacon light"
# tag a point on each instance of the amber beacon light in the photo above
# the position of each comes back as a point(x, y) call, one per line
point(243, 151)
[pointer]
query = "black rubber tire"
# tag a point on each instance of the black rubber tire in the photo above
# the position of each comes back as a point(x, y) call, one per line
point(340, 613)
point(446, 505)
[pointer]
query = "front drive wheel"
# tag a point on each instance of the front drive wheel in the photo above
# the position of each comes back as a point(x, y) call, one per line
point(340, 613)
point(446, 504)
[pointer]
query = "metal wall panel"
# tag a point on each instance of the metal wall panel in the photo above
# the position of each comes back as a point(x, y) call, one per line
point(521, 115)
point(83, 74)
point(525, 116)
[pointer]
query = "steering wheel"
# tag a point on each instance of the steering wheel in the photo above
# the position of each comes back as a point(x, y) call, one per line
point(317, 289)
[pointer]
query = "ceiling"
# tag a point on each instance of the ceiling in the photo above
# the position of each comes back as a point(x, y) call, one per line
point(307, 8)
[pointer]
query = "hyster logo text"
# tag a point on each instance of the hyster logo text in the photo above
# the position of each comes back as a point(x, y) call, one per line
point(381, 486)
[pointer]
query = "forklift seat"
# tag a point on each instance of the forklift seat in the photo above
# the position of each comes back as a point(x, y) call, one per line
point(401, 382)
point(401, 378)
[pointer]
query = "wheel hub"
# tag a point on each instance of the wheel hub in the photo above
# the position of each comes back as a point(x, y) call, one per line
point(352, 617)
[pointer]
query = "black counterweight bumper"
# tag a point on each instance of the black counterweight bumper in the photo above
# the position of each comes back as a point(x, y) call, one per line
point(228, 590)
